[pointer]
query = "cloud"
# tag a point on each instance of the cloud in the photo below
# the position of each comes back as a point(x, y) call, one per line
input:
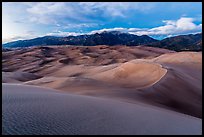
point(47, 8)
point(120, 29)
point(57, 12)
point(63, 34)
point(79, 25)
point(54, 12)
point(58, 17)
point(115, 9)
point(184, 25)
point(124, 30)
point(171, 28)
point(26, 35)
point(111, 9)
point(18, 21)
point(15, 38)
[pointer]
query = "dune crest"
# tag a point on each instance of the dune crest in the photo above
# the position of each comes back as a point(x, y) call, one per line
point(159, 77)
point(135, 73)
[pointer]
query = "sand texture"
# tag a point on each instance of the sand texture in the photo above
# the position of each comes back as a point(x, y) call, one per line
point(168, 82)
point(39, 111)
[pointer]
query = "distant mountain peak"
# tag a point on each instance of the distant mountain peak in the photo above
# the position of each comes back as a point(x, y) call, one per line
point(112, 32)
point(110, 38)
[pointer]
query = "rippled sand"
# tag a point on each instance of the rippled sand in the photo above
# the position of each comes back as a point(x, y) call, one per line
point(169, 82)
point(172, 80)
point(33, 110)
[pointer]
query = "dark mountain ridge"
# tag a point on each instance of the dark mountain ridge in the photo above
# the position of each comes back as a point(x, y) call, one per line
point(104, 38)
point(192, 42)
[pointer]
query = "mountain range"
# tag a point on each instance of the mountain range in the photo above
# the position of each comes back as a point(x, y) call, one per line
point(192, 42)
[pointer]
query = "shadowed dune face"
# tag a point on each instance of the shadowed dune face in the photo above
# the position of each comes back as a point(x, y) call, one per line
point(40, 111)
point(180, 92)
point(181, 88)
point(17, 77)
point(160, 77)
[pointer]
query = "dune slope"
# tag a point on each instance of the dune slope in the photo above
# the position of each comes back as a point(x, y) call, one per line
point(34, 110)
point(171, 80)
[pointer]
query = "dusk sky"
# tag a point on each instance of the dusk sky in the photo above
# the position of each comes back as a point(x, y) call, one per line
point(25, 20)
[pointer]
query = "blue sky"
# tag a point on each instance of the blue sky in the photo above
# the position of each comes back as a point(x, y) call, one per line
point(25, 20)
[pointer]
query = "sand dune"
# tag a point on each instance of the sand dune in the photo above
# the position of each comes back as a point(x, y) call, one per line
point(180, 57)
point(17, 77)
point(159, 77)
point(34, 110)
point(129, 74)
point(39, 59)
point(181, 87)
point(136, 73)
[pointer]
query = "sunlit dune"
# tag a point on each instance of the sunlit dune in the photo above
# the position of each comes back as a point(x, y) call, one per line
point(181, 57)
point(136, 73)
point(159, 77)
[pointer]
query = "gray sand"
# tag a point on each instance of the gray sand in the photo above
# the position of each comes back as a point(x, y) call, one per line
point(34, 110)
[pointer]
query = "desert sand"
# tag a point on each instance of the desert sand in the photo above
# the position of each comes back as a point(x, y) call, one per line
point(38, 111)
point(164, 80)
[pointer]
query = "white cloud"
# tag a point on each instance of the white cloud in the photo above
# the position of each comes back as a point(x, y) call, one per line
point(173, 27)
point(108, 30)
point(47, 8)
point(13, 38)
point(56, 12)
point(23, 36)
point(183, 25)
point(63, 34)
point(114, 9)
point(79, 25)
